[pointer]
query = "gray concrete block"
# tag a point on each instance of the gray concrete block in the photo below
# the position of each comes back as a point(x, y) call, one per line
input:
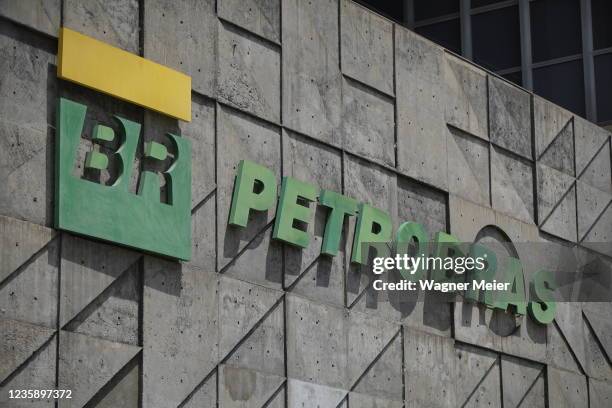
point(359, 400)
point(468, 167)
point(201, 132)
point(182, 36)
point(421, 128)
point(248, 73)
point(125, 392)
point(19, 342)
point(27, 92)
point(382, 378)
point(468, 219)
point(41, 15)
point(477, 377)
point(552, 186)
point(512, 185)
point(114, 22)
point(559, 154)
point(203, 236)
point(242, 138)
point(549, 120)
point(367, 338)
point(88, 268)
point(429, 370)
point(115, 314)
point(536, 397)
point(30, 295)
point(475, 324)
point(518, 377)
point(600, 394)
point(312, 83)
point(244, 388)
point(566, 389)
point(599, 238)
point(570, 324)
point(596, 361)
point(597, 316)
point(180, 329)
point(279, 400)
point(598, 173)
point(419, 203)
point(368, 123)
point(86, 364)
point(466, 103)
point(377, 187)
point(510, 117)
point(262, 349)
point(206, 395)
point(250, 314)
point(559, 353)
point(38, 373)
point(316, 343)
point(591, 203)
point(562, 221)
point(366, 41)
point(261, 17)
point(589, 139)
point(321, 166)
point(260, 263)
point(303, 394)
point(19, 241)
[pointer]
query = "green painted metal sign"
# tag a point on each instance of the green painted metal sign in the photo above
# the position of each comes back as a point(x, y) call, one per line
point(111, 212)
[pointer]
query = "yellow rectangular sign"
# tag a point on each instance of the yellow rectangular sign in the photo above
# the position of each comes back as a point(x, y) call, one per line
point(108, 69)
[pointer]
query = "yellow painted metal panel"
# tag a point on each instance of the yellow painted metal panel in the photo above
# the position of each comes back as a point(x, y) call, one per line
point(108, 69)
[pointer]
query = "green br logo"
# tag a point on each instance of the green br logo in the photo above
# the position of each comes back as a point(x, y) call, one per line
point(113, 213)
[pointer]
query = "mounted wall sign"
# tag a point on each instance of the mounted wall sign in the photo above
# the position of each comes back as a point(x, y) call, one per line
point(111, 212)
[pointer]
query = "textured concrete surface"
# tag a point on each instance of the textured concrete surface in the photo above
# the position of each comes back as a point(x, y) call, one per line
point(329, 93)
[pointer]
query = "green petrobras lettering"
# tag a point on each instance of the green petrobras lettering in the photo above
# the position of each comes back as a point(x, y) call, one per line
point(111, 212)
point(254, 189)
point(290, 210)
point(373, 226)
point(543, 308)
point(515, 295)
point(415, 233)
point(340, 206)
point(486, 274)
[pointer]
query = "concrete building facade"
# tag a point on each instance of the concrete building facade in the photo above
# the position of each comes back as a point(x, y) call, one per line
point(330, 93)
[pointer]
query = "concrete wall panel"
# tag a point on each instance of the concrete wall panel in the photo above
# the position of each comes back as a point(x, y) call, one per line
point(261, 17)
point(421, 127)
point(115, 21)
point(182, 35)
point(41, 15)
point(368, 123)
point(312, 83)
point(466, 104)
point(367, 46)
point(510, 117)
point(248, 73)
point(180, 326)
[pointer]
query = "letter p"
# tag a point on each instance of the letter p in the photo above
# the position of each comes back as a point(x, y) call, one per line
point(254, 189)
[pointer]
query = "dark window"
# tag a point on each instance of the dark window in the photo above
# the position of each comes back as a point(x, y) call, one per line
point(602, 23)
point(603, 86)
point(516, 77)
point(555, 29)
point(424, 9)
point(392, 9)
point(480, 3)
point(447, 34)
point(563, 84)
point(496, 38)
